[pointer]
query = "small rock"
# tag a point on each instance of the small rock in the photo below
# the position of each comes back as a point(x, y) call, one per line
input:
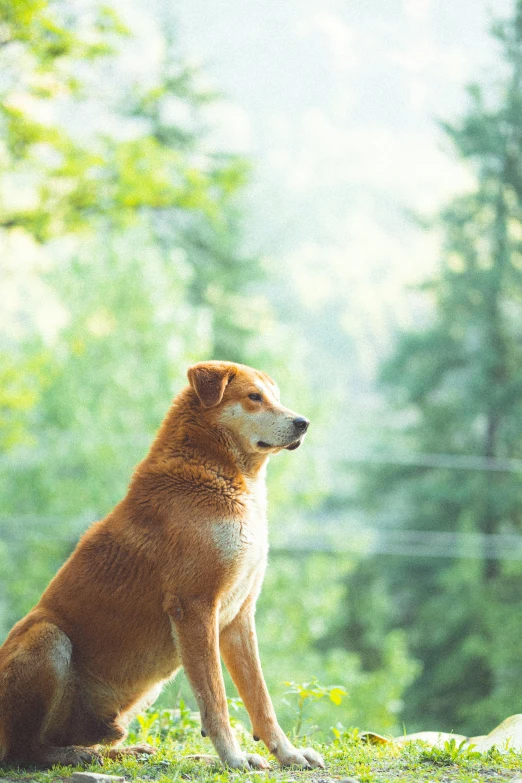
point(95, 777)
point(349, 780)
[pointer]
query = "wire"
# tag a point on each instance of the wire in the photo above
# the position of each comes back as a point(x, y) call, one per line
point(381, 546)
point(337, 537)
point(445, 461)
point(472, 462)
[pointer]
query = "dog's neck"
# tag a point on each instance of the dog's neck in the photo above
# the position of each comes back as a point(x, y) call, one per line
point(185, 430)
point(249, 464)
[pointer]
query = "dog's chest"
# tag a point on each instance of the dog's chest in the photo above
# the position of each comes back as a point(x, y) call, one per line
point(242, 547)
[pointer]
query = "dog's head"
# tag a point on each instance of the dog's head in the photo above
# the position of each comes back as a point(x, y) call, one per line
point(246, 402)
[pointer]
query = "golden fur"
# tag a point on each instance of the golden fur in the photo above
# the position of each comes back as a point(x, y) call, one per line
point(169, 578)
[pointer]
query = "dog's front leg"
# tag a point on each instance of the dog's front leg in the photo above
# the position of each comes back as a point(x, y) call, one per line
point(196, 631)
point(240, 653)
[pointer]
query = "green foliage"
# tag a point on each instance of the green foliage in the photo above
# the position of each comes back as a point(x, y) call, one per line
point(305, 694)
point(129, 232)
point(156, 726)
point(451, 753)
point(69, 185)
point(22, 381)
point(235, 708)
point(305, 597)
point(60, 182)
point(457, 384)
point(146, 722)
point(135, 239)
point(41, 27)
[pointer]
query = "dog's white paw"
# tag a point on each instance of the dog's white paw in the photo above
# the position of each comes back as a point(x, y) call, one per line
point(247, 761)
point(300, 757)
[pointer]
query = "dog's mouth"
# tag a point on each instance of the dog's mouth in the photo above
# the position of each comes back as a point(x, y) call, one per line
point(291, 447)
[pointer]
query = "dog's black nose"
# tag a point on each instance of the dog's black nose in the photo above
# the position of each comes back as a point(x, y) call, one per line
point(301, 424)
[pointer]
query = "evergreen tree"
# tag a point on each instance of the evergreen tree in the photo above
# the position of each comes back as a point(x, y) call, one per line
point(138, 230)
point(220, 273)
point(458, 383)
point(137, 223)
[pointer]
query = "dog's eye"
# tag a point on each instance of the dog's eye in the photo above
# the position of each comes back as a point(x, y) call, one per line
point(256, 397)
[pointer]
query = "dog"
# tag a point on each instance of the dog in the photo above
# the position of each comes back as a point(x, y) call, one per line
point(169, 578)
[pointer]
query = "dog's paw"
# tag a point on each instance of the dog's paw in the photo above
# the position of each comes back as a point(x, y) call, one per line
point(68, 756)
point(247, 761)
point(300, 757)
point(255, 761)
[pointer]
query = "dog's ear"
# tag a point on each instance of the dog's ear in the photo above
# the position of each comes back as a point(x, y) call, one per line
point(209, 380)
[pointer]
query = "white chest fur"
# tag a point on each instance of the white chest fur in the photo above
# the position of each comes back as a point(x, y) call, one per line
point(243, 546)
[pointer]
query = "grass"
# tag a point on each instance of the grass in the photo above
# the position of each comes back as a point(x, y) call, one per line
point(176, 734)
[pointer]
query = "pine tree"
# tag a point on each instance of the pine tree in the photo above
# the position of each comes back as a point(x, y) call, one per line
point(206, 223)
point(459, 382)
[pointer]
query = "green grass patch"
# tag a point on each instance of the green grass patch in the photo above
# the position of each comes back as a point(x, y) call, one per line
point(177, 737)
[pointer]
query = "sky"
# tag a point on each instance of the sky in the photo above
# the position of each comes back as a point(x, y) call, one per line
point(337, 105)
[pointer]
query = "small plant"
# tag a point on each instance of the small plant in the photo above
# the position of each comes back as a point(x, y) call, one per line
point(450, 753)
point(235, 708)
point(342, 734)
point(146, 722)
point(183, 719)
point(153, 726)
point(306, 693)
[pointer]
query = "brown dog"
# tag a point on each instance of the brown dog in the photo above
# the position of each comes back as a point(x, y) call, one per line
point(169, 578)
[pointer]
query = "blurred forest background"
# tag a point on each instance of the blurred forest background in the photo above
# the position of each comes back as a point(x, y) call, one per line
point(138, 235)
